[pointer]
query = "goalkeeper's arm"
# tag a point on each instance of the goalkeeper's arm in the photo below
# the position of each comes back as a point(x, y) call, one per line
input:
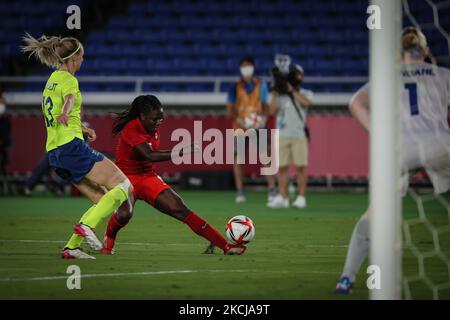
point(359, 108)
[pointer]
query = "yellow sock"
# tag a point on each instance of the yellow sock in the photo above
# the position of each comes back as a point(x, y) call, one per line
point(107, 204)
point(76, 240)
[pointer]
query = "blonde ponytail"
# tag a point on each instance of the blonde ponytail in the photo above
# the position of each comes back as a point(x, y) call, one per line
point(44, 49)
point(51, 51)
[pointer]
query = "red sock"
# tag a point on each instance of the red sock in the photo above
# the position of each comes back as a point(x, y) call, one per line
point(203, 229)
point(113, 227)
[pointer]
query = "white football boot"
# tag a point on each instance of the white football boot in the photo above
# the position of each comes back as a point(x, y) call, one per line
point(271, 195)
point(240, 197)
point(300, 202)
point(76, 253)
point(89, 234)
point(234, 249)
point(279, 202)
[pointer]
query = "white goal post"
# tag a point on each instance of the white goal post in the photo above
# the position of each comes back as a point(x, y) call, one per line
point(385, 202)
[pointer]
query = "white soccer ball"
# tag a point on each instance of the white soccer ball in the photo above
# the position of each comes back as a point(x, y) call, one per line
point(240, 229)
point(254, 121)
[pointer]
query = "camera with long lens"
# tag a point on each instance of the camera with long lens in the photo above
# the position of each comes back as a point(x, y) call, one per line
point(283, 73)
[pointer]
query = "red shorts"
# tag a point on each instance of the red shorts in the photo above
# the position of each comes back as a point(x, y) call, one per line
point(147, 187)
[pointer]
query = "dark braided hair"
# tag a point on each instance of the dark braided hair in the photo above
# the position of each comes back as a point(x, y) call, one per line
point(141, 104)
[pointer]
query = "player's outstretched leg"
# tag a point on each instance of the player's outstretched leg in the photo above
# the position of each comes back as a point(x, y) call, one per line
point(117, 221)
point(357, 252)
point(104, 173)
point(113, 199)
point(170, 203)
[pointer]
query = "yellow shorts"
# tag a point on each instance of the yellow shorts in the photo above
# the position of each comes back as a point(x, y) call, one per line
point(295, 147)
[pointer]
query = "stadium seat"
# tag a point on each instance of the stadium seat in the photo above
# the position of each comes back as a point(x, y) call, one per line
point(186, 37)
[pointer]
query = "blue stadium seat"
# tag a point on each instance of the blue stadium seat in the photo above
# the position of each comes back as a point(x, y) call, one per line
point(191, 37)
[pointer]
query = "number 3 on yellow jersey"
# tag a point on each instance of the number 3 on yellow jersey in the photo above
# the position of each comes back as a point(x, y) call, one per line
point(47, 107)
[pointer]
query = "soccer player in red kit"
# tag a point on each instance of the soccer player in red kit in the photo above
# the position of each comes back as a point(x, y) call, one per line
point(137, 150)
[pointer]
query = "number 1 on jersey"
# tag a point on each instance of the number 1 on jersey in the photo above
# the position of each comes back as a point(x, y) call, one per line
point(413, 101)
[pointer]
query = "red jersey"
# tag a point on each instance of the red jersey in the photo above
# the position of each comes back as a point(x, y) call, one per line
point(127, 159)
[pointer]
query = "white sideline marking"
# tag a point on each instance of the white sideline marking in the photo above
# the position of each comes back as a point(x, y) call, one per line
point(324, 272)
point(126, 274)
point(98, 275)
point(34, 241)
point(169, 244)
point(120, 243)
point(324, 246)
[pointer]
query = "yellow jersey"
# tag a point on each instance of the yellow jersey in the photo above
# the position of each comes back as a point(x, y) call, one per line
point(60, 84)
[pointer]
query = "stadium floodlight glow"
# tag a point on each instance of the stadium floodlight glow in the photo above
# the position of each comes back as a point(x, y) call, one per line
point(384, 150)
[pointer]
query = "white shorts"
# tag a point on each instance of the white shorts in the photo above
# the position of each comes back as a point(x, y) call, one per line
point(431, 152)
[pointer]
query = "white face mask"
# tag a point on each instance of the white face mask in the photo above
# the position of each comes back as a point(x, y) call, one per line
point(247, 71)
point(2, 108)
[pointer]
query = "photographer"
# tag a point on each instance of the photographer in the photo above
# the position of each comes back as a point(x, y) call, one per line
point(290, 103)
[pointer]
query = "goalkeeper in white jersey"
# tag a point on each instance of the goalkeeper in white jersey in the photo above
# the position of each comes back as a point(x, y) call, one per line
point(425, 135)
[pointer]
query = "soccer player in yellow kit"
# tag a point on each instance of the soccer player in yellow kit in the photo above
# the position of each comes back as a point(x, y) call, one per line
point(90, 171)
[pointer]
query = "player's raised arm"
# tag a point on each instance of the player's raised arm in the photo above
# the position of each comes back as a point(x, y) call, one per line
point(359, 108)
point(300, 97)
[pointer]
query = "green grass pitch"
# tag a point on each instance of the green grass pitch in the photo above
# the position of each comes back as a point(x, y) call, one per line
point(296, 254)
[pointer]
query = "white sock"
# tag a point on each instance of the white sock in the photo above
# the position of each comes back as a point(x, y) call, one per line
point(358, 248)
